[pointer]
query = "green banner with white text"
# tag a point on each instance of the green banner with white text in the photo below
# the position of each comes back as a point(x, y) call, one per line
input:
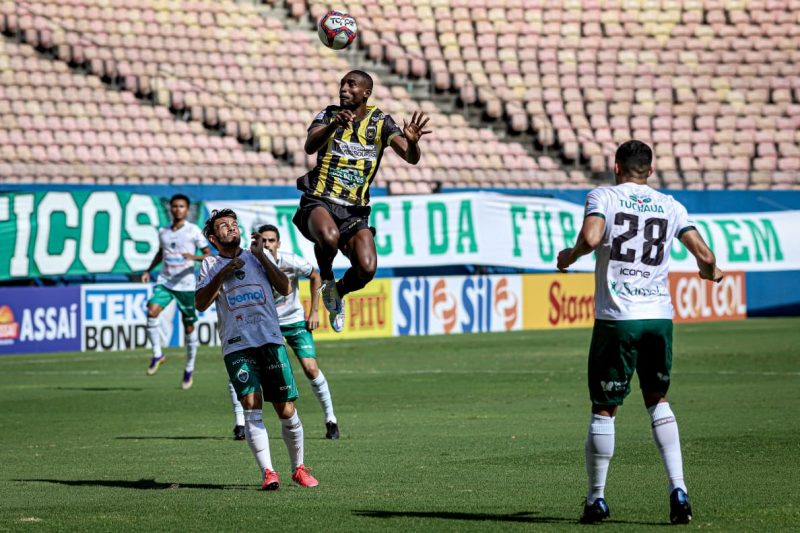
point(52, 234)
point(522, 231)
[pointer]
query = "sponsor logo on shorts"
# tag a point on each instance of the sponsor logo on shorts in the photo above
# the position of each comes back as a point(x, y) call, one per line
point(614, 386)
point(276, 366)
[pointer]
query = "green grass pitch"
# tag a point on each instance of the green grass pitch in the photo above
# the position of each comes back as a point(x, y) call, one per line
point(461, 433)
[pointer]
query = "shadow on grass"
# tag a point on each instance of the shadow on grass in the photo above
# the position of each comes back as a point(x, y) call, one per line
point(102, 389)
point(142, 484)
point(188, 437)
point(524, 517)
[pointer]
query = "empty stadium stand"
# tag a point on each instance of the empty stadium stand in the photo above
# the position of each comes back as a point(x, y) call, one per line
point(200, 91)
point(714, 86)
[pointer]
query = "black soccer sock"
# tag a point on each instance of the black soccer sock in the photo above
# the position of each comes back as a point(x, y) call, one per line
point(350, 282)
point(324, 262)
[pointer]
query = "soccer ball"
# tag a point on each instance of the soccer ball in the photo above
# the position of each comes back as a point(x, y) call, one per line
point(337, 30)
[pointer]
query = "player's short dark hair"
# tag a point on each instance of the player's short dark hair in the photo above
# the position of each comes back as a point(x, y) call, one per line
point(216, 214)
point(180, 197)
point(634, 159)
point(270, 227)
point(364, 76)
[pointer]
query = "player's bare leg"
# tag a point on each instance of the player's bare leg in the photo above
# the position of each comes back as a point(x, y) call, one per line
point(364, 260)
point(667, 439)
point(319, 385)
point(326, 235)
point(154, 336)
point(323, 229)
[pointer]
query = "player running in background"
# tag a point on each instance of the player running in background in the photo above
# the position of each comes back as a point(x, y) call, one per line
point(349, 140)
point(631, 227)
point(241, 282)
point(179, 243)
point(294, 326)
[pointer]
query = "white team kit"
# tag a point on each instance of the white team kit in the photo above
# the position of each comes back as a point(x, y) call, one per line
point(245, 306)
point(631, 281)
point(177, 272)
point(290, 308)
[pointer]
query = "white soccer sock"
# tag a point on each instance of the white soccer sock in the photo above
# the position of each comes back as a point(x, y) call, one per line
point(599, 451)
point(238, 410)
point(665, 434)
point(154, 336)
point(293, 437)
point(191, 350)
point(323, 394)
point(257, 438)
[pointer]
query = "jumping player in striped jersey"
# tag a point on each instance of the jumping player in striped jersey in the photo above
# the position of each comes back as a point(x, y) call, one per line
point(631, 228)
point(349, 140)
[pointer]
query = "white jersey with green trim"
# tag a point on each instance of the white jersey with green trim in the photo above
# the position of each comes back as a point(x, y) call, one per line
point(246, 315)
point(632, 268)
point(290, 308)
point(177, 272)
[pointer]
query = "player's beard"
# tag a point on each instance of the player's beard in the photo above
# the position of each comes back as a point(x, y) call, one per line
point(232, 246)
point(348, 104)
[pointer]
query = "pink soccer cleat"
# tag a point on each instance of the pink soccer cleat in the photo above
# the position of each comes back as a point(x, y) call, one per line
point(271, 480)
point(303, 478)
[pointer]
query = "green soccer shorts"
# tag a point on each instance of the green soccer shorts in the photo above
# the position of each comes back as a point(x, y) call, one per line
point(162, 296)
point(621, 346)
point(265, 369)
point(300, 339)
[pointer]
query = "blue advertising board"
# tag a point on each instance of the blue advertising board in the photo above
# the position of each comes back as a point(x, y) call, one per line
point(40, 319)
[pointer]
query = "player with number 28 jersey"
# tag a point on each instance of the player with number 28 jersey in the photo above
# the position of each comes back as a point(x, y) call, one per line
point(633, 258)
point(631, 228)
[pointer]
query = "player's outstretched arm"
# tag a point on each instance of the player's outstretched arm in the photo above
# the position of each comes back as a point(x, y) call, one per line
point(706, 261)
point(156, 260)
point(313, 313)
point(407, 144)
point(589, 238)
point(204, 296)
point(318, 135)
point(204, 252)
point(279, 281)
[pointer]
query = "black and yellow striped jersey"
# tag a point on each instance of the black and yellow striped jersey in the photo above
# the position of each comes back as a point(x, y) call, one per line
point(347, 164)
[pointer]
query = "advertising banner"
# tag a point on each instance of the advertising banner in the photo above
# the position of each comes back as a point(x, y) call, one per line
point(73, 233)
point(483, 228)
point(40, 319)
point(456, 304)
point(697, 300)
point(369, 312)
point(558, 300)
point(115, 318)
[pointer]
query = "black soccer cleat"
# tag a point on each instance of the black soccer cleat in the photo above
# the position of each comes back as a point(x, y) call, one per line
point(332, 430)
point(596, 512)
point(238, 433)
point(680, 510)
